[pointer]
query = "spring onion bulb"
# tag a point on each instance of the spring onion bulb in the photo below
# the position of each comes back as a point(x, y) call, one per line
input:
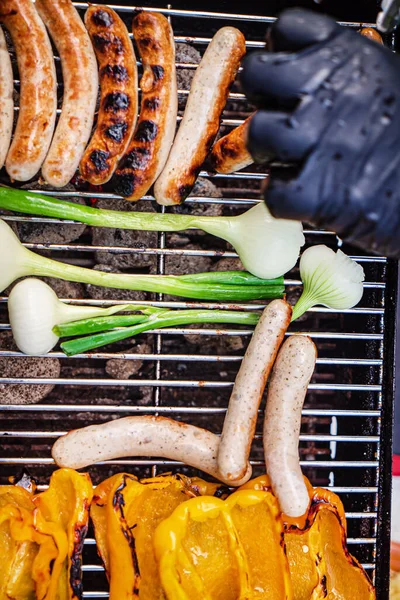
point(267, 247)
point(329, 278)
point(34, 310)
point(16, 261)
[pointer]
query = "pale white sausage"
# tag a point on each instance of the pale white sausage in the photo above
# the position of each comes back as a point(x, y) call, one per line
point(80, 76)
point(241, 418)
point(286, 394)
point(141, 436)
point(6, 99)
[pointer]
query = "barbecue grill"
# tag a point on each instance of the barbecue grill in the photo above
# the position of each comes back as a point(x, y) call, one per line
point(188, 373)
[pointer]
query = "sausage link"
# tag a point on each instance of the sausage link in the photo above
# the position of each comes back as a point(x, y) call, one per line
point(200, 123)
point(119, 96)
point(372, 34)
point(6, 99)
point(230, 152)
point(80, 78)
point(140, 436)
point(151, 144)
point(38, 93)
point(241, 418)
point(286, 393)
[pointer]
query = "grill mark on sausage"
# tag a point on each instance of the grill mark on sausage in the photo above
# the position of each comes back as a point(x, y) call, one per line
point(118, 73)
point(102, 18)
point(229, 149)
point(158, 72)
point(101, 41)
point(152, 103)
point(124, 184)
point(147, 131)
point(99, 160)
point(137, 158)
point(116, 131)
point(116, 101)
point(184, 191)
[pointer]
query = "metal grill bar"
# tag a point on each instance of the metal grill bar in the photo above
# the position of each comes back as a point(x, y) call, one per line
point(367, 439)
point(317, 464)
point(171, 383)
point(193, 358)
point(169, 410)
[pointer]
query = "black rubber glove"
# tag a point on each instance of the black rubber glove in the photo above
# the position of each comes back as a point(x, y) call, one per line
point(329, 102)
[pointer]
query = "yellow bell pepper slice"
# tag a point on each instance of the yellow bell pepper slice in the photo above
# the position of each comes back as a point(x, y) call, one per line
point(320, 564)
point(17, 547)
point(62, 513)
point(125, 513)
point(224, 550)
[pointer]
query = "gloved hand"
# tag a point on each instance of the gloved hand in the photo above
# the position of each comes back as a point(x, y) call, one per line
point(329, 102)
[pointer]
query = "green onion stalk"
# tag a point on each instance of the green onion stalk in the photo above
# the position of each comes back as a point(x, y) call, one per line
point(157, 320)
point(16, 261)
point(267, 247)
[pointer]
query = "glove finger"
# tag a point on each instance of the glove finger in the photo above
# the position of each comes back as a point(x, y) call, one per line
point(286, 198)
point(298, 28)
point(279, 135)
point(270, 78)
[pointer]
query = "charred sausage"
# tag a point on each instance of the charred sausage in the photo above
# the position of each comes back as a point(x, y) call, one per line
point(119, 97)
point(230, 153)
point(241, 418)
point(140, 436)
point(286, 393)
point(80, 78)
point(200, 123)
point(152, 141)
point(6, 99)
point(38, 94)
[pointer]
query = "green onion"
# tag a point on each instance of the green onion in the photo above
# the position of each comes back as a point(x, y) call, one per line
point(267, 247)
point(97, 325)
point(16, 261)
point(158, 321)
point(329, 278)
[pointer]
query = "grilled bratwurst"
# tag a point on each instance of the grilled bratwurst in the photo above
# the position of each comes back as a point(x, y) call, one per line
point(38, 94)
point(151, 144)
point(200, 123)
point(6, 99)
point(119, 96)
point(80, 77)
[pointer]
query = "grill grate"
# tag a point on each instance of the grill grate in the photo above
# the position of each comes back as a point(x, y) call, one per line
point(188, 373)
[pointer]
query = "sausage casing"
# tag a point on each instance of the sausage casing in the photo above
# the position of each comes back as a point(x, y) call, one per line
point(230, 153)
point(287, 390)
point(119, 97)
point(241, 417)
point(6, 99)
point(38, 93)
point(201, 120)
point(152, 141)
point(372, 34)
point(80, 78)
point(140, 436)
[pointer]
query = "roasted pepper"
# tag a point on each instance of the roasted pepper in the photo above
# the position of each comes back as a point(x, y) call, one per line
point(62, 514)
point(320, 564)
point(125, 513)
point(224, 550)
point(17, 546)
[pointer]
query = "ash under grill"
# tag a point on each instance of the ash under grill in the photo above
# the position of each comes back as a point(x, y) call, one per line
point(188, 373)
